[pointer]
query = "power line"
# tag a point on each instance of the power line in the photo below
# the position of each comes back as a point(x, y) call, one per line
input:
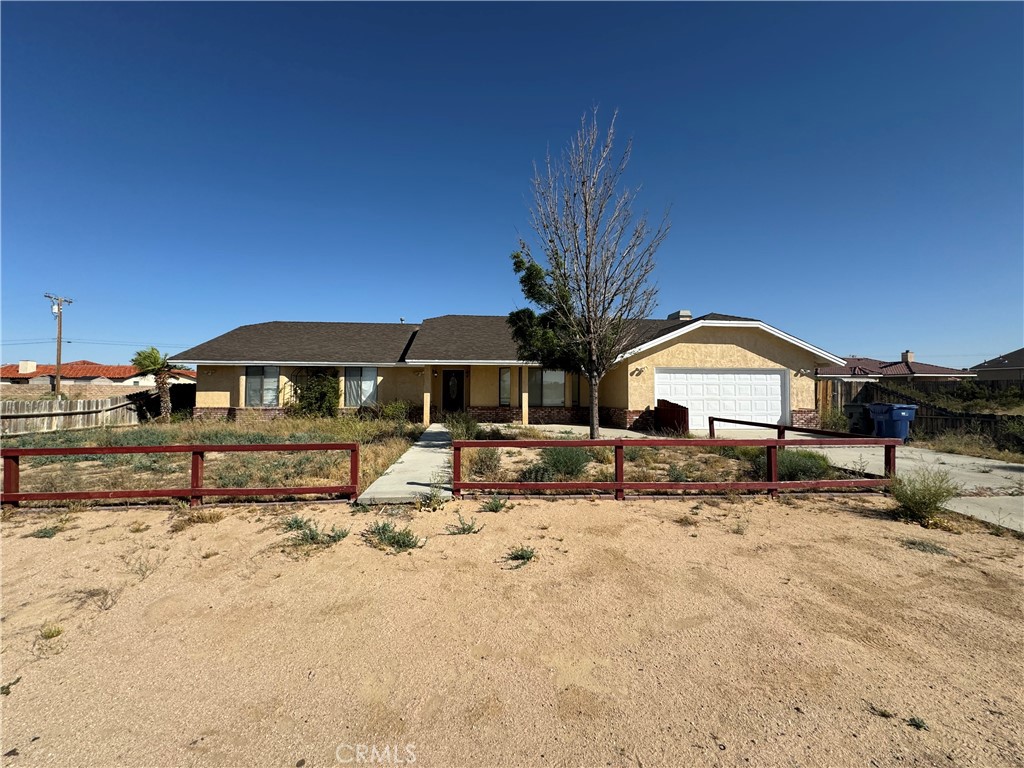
point(17, 342)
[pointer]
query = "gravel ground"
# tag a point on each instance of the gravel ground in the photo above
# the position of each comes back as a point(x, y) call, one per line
point(768, 633)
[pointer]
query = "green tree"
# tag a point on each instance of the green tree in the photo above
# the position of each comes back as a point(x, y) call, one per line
point(151, 362)
point(594, 289)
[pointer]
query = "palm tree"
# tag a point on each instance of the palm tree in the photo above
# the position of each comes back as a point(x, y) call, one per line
point(152, 362)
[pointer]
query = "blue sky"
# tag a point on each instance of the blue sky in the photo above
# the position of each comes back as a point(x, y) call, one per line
point(850, 173)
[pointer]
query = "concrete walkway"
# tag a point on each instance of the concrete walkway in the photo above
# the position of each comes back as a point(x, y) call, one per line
point(410, 478)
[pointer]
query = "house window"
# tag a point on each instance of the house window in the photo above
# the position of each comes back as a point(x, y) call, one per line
point(261, 383)
point(504, 386)
point(547, 387)
point(360, 387)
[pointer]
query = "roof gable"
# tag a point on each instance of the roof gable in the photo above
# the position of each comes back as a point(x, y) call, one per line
point(714, 320)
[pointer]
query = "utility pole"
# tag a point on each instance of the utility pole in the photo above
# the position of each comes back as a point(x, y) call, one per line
point(57, 307)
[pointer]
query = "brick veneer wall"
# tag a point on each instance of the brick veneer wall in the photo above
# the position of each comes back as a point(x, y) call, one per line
point(237, 414)
point(805, 417)
point(622, 418)
point(547, 414)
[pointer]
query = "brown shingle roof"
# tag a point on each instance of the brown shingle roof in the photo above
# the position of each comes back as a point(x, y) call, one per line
point(1011, 360)
point(298, 342)
point(459, 338)
point(654, 329)
point(464, 338)
point(449, 338)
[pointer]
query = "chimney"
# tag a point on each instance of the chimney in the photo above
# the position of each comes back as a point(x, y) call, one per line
point(907, 357)
point(681, 314)
point(26, 366)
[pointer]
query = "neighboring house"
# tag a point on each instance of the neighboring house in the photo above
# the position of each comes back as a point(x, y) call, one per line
point(717, 365)
point(840, 384)
point(1008, 367)
point(81, 377)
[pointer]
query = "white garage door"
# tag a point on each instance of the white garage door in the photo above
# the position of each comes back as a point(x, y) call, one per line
point(745, 395)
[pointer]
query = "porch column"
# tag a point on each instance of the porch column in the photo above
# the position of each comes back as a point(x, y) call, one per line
point(524, 393)
point(428, 377)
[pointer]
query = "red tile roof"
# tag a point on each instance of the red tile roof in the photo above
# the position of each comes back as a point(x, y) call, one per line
point(867, 366)
point(80, 369)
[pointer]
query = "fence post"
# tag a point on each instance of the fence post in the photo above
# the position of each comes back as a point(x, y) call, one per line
point(456, 469)
point(12, 478)
point(773, 468)
point(620, 471)
point(198, 463)
point(711, 427)
point(890, 461)
point(353, 470)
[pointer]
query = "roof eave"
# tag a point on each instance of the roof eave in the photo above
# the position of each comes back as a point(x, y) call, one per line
point(308, 363)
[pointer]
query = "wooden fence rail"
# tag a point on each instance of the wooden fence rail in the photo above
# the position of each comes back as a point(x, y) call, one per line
point(22, 417)
point(620, 485)
point(194, 493)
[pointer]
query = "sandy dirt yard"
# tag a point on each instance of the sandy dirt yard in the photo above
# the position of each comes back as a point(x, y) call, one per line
point(768, 633)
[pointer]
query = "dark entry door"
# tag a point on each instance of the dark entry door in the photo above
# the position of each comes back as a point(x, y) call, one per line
point(453, 390)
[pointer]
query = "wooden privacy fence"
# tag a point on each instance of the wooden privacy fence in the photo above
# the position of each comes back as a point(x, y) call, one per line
point(22, 417)
point(195, 492)
point(932, 420)
point(620, 485)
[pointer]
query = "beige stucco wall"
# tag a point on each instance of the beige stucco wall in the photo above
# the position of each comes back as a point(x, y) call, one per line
point(220, 386)
point(399, 384)
point(614, 389)
point(720, 348)
point(483, 387)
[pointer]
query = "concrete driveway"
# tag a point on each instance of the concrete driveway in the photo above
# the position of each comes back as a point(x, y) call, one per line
point(992, 489)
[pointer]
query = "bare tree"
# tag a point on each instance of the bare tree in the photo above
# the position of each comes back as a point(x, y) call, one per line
point(596, 287)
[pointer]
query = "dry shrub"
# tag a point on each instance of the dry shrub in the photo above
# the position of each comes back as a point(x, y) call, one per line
point(922, 493)
point(375, 458)
point(195, 516)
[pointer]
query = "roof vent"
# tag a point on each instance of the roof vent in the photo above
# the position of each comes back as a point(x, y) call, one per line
point(907, 357)
point(26, 366)
point(681, 314)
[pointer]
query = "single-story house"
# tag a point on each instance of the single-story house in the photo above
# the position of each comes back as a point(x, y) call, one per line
point(717, 365)
point(80, 377)
point(840, 384)
point(1008, 367)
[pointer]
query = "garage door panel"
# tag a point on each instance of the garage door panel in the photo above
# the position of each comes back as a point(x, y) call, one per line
point(745, 395)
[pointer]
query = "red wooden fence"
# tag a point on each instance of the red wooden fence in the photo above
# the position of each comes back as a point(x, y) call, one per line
point(620, 485)
point(196, 490)
point(781, 429)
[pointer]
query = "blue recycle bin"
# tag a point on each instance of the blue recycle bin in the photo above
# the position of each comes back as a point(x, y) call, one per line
point(892, 420)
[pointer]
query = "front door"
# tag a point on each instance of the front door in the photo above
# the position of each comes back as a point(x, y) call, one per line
point(453, 391)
